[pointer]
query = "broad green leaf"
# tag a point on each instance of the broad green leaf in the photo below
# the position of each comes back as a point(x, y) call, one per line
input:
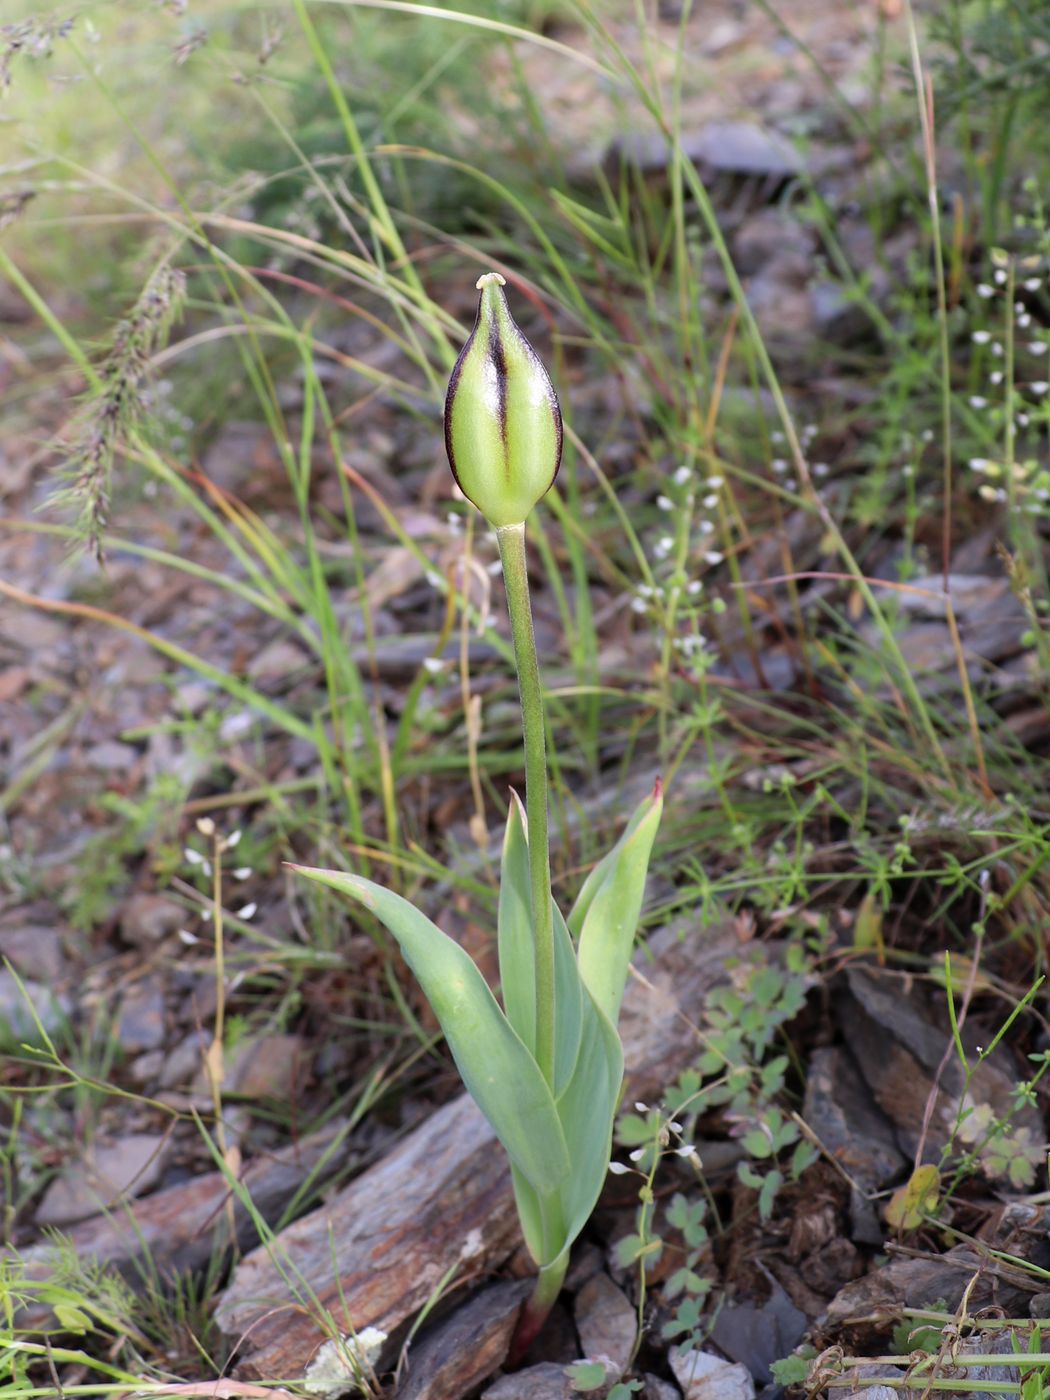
point(610, 920)
point(597, 877)
point(498, 1070)
point(587, 1108)
point(517, 959)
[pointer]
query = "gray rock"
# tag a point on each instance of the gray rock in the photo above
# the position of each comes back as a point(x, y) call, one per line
point(547, 1381)
point(743, 148)
point(607, 1324)
point(147, 919)
point(17, 1007)
point(106, 1175)
point(35, 950)
point(657, 1389)
point(704, 1376)
point(262, 1067)
point(141, 1018)
point(185, 1060)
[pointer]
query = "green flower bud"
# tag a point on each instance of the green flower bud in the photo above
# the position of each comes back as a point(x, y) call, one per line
point(502, 420)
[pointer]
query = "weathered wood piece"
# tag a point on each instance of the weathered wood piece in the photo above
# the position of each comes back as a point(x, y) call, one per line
point(466, 1347)
point(374, 1253)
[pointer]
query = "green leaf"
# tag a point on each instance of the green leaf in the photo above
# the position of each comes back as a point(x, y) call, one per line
point(598, 875)
point(606, 913)
point(587, 1109)
point(498, 1070)
point(517, 957)
point(586, 1375)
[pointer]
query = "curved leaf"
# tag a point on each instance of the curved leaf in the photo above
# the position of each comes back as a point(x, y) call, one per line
point(498, 1070)
point(598, 875)
point(612, 906)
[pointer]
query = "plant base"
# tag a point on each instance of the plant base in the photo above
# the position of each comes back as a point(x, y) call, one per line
point(535, 1311)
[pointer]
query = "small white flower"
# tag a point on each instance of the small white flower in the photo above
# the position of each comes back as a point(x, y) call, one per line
point(984, 290)
point(714, 556)
point(694, 587)
point(1032, 284)
point(242, 872)
point(641, 1107)
point(1037, 347)
point(665, 502)
point(777, 436)
point(638, 605)
point(233, 839)
point(495, 568)
point(1024, 320)
point(246, 911)
point(1000, 276)
point(709, 502)
point(981, 337)
point(715, 482)
point(434, 579)
point(686, 1150)
point(206, 826)
point(618, 1169)
point(188, 938)
point(1023, 420)
point(433, 665)
point(997, 349)
point(682, 476)
point(978, 401)
point(192, 856)
point(779, 465)
point(821, 469)
point(996, 376)
point(706, 527)
point(637, 1154)
point(907, 470)
point(979, 464)
point(1039, 386)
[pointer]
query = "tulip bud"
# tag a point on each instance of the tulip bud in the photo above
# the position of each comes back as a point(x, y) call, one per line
point(502, 421)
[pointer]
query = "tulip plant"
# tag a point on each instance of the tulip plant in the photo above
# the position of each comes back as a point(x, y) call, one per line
point(546, 1069)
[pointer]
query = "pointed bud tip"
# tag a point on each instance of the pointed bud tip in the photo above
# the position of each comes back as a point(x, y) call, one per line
point(488, 278)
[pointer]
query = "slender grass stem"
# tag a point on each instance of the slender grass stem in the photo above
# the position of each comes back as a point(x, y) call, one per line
point(516, 579)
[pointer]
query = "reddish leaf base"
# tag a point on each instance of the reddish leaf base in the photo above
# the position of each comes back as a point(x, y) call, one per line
point(534, 1312)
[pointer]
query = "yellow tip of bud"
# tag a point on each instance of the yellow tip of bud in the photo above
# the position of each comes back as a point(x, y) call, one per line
point(487, 278)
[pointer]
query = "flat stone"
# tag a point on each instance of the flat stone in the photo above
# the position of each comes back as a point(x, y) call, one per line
point(185, 1060)
point(147, 919)
point(106, 1175)
point(658, 1389)
point(141, 1024)
point(278, 661)
point(704, 1376)
point(17, 1023)
point(606, 1323)
point(35, 950)
point(263, 1067)
point(547, 1381)
point(743, 148)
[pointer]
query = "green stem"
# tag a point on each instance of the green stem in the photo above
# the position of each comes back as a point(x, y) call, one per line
point(516, 580)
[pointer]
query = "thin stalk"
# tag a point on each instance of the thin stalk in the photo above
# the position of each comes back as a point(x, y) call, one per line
point(516, 580)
